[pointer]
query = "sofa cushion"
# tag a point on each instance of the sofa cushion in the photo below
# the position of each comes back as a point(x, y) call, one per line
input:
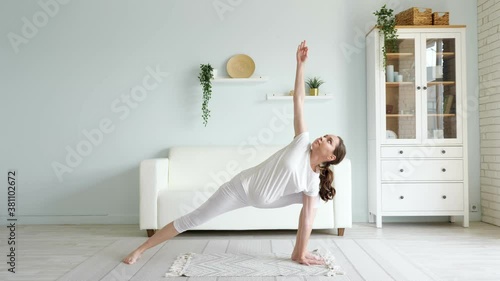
point(209, 167)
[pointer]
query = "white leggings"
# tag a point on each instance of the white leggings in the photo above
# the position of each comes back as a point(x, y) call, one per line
point(230, 196)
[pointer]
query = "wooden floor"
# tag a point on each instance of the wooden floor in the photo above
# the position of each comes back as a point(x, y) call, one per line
point(449, 251)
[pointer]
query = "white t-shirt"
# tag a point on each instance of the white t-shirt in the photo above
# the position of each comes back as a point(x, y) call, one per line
point(287, 171)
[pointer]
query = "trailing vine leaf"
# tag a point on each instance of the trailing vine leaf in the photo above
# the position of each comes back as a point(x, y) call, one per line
point(206, 75)
point(386, 22)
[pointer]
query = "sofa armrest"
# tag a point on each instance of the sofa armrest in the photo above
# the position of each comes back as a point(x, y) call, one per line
point(153, 178)
point(342, 202)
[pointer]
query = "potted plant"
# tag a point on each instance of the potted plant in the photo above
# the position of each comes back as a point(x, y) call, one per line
point(313, 84)
point(386, 22)
point(206, 76)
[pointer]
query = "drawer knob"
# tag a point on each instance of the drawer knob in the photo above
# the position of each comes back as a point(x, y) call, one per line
point(401, 197)
point(444, 196)
point(401, 170)
point(443, 169)
point(400, 152)
point(443, 151)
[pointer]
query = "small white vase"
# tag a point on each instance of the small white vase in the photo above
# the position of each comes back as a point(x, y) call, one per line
point(390, 73)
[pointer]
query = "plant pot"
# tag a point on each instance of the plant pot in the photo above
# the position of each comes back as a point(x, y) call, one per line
point(313, 91)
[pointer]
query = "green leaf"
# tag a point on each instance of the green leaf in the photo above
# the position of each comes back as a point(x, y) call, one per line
point(386, 22)
point(205, 76)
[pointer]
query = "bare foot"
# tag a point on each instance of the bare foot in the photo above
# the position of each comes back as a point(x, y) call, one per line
point(132, 257)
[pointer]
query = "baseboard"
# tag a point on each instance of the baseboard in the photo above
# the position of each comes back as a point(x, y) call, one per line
point(75, 219)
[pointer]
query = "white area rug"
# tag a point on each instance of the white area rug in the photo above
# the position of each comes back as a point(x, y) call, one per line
point(359, 259)
point(249, 264)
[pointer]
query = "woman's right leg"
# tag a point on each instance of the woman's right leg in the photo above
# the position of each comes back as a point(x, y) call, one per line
point(227, 198)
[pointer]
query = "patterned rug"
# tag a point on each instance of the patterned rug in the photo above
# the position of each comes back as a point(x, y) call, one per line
point(360, 259)
point(249, 265)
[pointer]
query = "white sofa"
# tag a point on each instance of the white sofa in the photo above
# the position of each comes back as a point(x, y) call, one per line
point(171, 187)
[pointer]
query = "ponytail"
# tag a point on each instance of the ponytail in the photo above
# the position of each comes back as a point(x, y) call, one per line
point(326, 190)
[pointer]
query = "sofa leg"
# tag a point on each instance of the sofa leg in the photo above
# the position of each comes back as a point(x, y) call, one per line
point(151, 232)
point(341, 231)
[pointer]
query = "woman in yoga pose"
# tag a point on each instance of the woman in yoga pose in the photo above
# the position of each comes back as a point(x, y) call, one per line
point(297, 174)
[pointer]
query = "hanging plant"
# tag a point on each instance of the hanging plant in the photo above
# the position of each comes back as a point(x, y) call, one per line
point(386, 22)
point(206, 76)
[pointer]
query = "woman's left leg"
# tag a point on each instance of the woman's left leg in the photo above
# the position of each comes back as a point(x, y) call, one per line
point(225, 199)
point(164, 234)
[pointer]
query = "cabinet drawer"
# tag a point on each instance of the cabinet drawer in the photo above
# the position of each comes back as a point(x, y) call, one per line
point(423, 197)
point(422, 170)
point(421, 152)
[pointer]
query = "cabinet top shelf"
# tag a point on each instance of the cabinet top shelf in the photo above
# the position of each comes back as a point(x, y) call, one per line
point(422, 27)
point(429, 26)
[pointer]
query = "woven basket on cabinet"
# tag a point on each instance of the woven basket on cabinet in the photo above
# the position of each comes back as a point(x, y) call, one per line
point(439, 18)
point(415, 16)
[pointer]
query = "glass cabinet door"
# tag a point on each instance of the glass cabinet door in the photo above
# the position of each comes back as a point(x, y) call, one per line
point(401, 104)
point(440, 122)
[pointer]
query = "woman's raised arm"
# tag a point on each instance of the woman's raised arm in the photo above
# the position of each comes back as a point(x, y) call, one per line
point(299, 91)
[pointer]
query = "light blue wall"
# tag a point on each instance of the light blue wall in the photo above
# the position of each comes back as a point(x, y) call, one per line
point(73, 73)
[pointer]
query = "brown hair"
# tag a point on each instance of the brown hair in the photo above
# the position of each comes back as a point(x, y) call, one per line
point(326, 190)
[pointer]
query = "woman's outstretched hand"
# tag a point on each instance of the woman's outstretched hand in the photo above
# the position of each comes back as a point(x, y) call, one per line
point(302, 53)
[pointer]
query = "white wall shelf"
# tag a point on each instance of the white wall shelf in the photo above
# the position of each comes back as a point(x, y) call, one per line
point(240, 80)
point(283, 97)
